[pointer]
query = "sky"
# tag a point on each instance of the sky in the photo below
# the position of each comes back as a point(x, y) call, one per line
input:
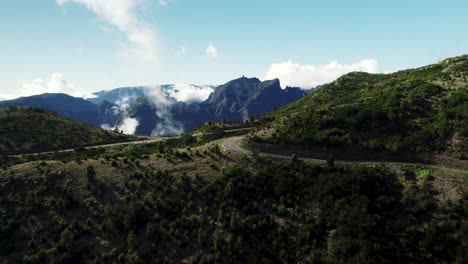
point(82, 46)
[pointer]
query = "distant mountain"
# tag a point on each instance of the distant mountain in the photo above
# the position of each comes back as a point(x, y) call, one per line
point(168, 109)
point(237, 100)
point(316, 88)
point(78, 109)
point(32, 129)
point(421, 110)
point(114, 95)
point(54, 101)
point(243, 98)
point(75, 108)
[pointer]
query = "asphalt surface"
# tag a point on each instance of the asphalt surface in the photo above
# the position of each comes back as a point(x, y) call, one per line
point(138, 142)
point(232, 144)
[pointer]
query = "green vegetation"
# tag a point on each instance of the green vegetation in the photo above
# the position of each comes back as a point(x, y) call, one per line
point(267, 212)
point(421, 110)
point(184, 200)
point(30, 129)
point(222, 125)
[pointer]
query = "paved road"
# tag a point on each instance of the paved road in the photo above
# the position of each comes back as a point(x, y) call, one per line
point(232, 144)
point(138, 142)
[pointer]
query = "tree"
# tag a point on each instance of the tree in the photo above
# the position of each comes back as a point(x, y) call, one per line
point(161, 148)
point(90, 173)
point(150, 230)
point(131, 240)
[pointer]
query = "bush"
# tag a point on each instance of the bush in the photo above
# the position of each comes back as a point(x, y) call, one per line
point(90, 173)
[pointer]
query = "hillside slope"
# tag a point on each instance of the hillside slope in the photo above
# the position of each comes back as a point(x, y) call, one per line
point(422, 110)
point(175, 208)
point(30, 129)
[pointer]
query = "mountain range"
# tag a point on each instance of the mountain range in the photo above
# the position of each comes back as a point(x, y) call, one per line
point(159, 111)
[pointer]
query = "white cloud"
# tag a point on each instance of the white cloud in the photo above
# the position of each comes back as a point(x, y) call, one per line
point(56, 84)
point(142, 39)
point(308, 76)
point(211, 51)
point(190, 93)
point(167, 124)
point(4, 96)
point(123, 103)
point(181, 51)
point(164, 2)
point(129, 125)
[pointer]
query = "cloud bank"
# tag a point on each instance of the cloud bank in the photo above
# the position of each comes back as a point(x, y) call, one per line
point(167, 126)
point(190, 93)
point(141, 37)
point(309, 76)
point(162, 99)
point(128, 125)
point(56, 84)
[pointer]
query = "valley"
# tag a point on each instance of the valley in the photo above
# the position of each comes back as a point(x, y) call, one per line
point(193, 203)
point(367, 169)
point(209, 132)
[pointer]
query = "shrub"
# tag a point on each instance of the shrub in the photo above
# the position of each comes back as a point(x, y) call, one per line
point(90, 173)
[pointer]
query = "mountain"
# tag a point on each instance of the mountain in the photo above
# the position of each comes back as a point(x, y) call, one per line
point(78, 109)
point(421, 110)
point(30, 129)
point(237, 100)
point(168, 109)
point(243, 98)
point(183, 200)
point(54, 101)
point(115, 95)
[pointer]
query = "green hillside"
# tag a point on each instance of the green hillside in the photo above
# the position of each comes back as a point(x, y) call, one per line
point(174, 208)
point(422, 110)
point(30, 129)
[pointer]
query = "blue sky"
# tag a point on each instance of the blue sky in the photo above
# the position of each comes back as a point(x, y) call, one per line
point(79, 46)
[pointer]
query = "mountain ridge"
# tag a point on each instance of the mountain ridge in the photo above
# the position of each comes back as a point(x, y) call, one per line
point(27, 129)
point(416, 110)
point(237, 100)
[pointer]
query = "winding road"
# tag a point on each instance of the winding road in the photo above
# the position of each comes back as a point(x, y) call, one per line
point(232, 144)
